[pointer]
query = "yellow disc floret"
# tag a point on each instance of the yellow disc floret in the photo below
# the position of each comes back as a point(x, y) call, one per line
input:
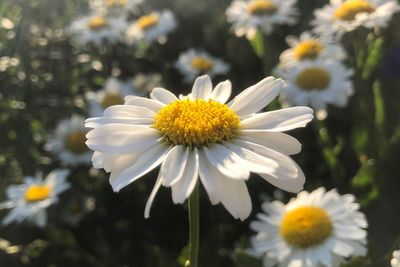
point(313, 79)
point(37, 192)
point(111, 100)
point(262, 7)
point(75, 142)
point(202, 64)
point(306, 226)
point(196, 122)
point(147, 21)
point(97, 23)
point(116, 3)
point(350, 8)
point(309, 49)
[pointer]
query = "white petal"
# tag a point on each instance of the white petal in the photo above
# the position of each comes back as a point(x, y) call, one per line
point(148, 161)
point(174, 164)
point(279, 120)
point(128, 111)
point(97, 160)
point(208, 176)
point(100, 121)
point(222, 92)
point(153, 193)
point(254, 98)
point(163, 95)
point(151, 104)
point(226, 161)
point(202, 87)
point(185, 185)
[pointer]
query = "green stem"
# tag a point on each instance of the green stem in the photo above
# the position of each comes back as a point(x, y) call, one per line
point(194, 226)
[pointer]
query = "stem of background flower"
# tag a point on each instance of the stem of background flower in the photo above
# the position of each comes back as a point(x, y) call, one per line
point(194, 227)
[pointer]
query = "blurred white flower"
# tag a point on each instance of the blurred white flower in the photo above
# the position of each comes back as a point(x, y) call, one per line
point(146, 82)
point(314, 229)
point(249, 16)
point(113, 93)
point(97, 29)
point(342, 16)
point(115, 7)
point(316, 83)
point(201, 136)
point(310, 47)
point(151, 27)
point(193, 63)
point(30, 200)
point(395, 262)
point(68, 142)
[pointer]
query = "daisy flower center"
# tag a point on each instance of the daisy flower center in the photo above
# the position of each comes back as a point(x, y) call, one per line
point(111, 100)
point(309, 49)
point(37, 193)
point(349, 9)
point(97, 23)
point(120, 3)
point(75, 142)
point(262, 7)
point(306, 226)
point(202, 64)
point(196, 122)
point(313, 79)
point(147, 21)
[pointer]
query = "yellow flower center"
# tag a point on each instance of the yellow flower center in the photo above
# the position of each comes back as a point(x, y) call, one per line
point(196, 122)
point(306, 226)
point(147, 21)
point(37, 193)
point(202, 64)
point(349, 9)
point(75, 142)
point(111, 100)
point(313, 79)
point(309, 49)
point(97, 23)
point(262, 7)
point(116, 3)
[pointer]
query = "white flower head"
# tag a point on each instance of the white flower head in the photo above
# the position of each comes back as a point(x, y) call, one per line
point(342, 16)
point(193, 63)
point(115, 7)
point(395, 261)
point(30, 200)
point(68, 142)
point(314, 229)
point(97, 29)
point(310, 47)
point(316, 83)
point(249, 16)
point(201, 137)
point(113, 93)
point(151, 27)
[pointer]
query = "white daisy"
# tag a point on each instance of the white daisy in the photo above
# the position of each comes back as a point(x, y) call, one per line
point(193, 63)
point(29, 201)
point(97, 29)
point(342, 16)
point(316, 84)
point(113, 93)
point(200, 136)
point(313, 230)
point(115, 7)
point(249, 16)
point(68, 142)
point(310, 47)
point(151, 27)
point(395, 262)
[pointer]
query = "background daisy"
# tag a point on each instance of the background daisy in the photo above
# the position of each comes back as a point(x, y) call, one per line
point(314, 229)
point(395, 261)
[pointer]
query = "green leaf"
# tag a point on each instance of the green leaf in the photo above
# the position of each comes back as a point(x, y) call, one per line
point(258, 44)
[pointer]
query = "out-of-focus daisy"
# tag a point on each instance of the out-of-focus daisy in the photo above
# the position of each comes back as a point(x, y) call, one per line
point(97, 29)
point(151, 27)
point(201, 136)
point(249, 16)
point(193, 63)
point(310, 47)
point(316, 84)
point(146, 82)
point(68, 142)
point(115, 7)
point(29, 200)
point(342, 16)
point(314, 229)
point(395, 262)
point(113, 93)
